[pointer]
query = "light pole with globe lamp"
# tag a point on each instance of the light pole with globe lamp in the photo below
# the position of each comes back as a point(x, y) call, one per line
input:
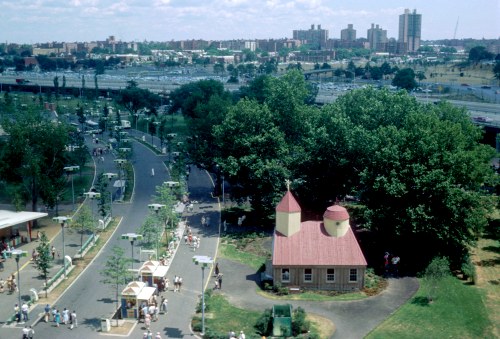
point(132, 237)
point(204, 262)
point(157, 208)
point(71, 170)
point(62, 221)
point(92, 196)
point(110, 176)
point(120, 163)
point(17, 254)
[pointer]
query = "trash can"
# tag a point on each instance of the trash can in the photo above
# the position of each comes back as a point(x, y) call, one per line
point(105, 325)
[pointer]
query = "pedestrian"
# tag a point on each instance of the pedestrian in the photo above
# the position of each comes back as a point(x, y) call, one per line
point(58, 318)
point(74, 320)
point(26, 332)
point(53, 252)
point(386, 263)
point(47, 313)
point(216, 287)
point(54, 312)
point(185, 239)
point(147, 321)
point(31, 333)
point(242, 335)
point(24, 311)
point(219, 278)
point(152, 312)
point(217, 269)
point(65, 315)
point(164, 305)
point(395, 261)
point(157, 336)
point(17, 312)
point(203, 220)
point(180, 284)
point(152, 172)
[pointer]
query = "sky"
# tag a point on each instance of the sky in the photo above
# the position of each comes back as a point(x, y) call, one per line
point(32, 21)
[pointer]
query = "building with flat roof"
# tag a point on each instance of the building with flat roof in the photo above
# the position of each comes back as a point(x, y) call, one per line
point(410, 30)
point(315, 38)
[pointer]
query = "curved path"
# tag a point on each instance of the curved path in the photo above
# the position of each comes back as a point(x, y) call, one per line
point(352, 319)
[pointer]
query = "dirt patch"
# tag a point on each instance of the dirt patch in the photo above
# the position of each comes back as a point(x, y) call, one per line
point(488, 278)
point(325, 327)
point(124, 327)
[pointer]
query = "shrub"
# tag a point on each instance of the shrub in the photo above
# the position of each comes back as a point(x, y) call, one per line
point(469, 270)
point(264, 323)
point(280, 290)
point(438, 269)
point(208, 295)
point(299, 322)
point(209, 334)
point(196, 324)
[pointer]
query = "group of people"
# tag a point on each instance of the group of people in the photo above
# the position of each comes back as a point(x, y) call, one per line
point(66, 317)
point(11, 284)
point(191, 240)
point(391, 264)
point(21, 312)
point(177, 283)
point(232, 335)
point(149, 335)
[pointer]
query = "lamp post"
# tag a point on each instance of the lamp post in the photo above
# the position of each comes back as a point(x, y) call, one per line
point(92, 196)
point(18, 254)
point(203, 261)
point(70, 170)
point(156, 123)
point(120, 163)
point(110, 176)
point(132, 237)
point(157, 208)
point(62, 221)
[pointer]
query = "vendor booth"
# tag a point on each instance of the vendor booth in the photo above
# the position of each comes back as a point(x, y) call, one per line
point(16, 227)
point(151, 272)
point(134, 295)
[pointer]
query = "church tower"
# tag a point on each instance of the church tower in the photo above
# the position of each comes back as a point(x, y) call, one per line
point(288, 215)
point(336, 221)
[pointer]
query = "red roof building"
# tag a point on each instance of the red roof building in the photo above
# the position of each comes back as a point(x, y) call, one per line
point(321, 255)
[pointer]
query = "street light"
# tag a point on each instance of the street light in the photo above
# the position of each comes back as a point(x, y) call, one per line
point(62, 221)
point(110, 176)
point(18, 254)
point(70, 170)
point(203, 261)
point(157, 208)
point(92, 195)
point(132, 237)
point(120, 163)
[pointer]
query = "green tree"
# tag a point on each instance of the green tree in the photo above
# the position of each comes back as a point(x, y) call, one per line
point(134, 98)
point(438, 269)
point(116, 272)
point(496, 71)
point(252, 154)
point(405, 78)
point(151, 232)
point(34, 155)
point(84, 222)
point(478, 53)
point(219, 68)
point(44, 259)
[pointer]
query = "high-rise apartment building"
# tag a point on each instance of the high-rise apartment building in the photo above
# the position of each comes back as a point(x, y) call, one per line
point(377, 38)
point(348, 34)
point(315, 38)
point(410, 30)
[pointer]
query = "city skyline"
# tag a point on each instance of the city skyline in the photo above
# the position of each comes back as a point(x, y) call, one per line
point(29, 21)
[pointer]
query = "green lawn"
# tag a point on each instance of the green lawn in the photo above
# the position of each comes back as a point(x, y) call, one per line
point(457, 312)
point(221, 317)
point(230, 251)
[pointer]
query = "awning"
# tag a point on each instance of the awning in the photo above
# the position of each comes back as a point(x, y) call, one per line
point(10, 218)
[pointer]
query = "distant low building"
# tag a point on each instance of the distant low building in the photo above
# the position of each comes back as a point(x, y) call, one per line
point(317, 255)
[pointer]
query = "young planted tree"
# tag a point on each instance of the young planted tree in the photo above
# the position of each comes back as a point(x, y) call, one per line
point(44, 259)
point(84, 223)
point(151, 231)
point(116, 272)
point(438, 269)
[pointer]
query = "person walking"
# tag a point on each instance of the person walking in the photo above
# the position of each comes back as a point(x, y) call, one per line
point(74, 320)
point(217, 271)
point(164, 305)
point(24, 311)
point(58, 318)
point(53, 252)
point(26, 332)
point(158, 335)
point(31, 333)
point(65, 315)
point(147, 321)
point(219, 279)
point(47, 313)
point(17, 312)
point(152, 172)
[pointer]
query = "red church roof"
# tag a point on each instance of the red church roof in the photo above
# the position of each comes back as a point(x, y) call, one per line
point(312, 246)
point(288, 204)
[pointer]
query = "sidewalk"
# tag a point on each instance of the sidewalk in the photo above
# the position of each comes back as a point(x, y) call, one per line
point(29, 276)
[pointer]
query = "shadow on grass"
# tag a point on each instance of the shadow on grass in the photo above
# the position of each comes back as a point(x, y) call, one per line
point(494, 249)
point(489, 262)
point(420, 301)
